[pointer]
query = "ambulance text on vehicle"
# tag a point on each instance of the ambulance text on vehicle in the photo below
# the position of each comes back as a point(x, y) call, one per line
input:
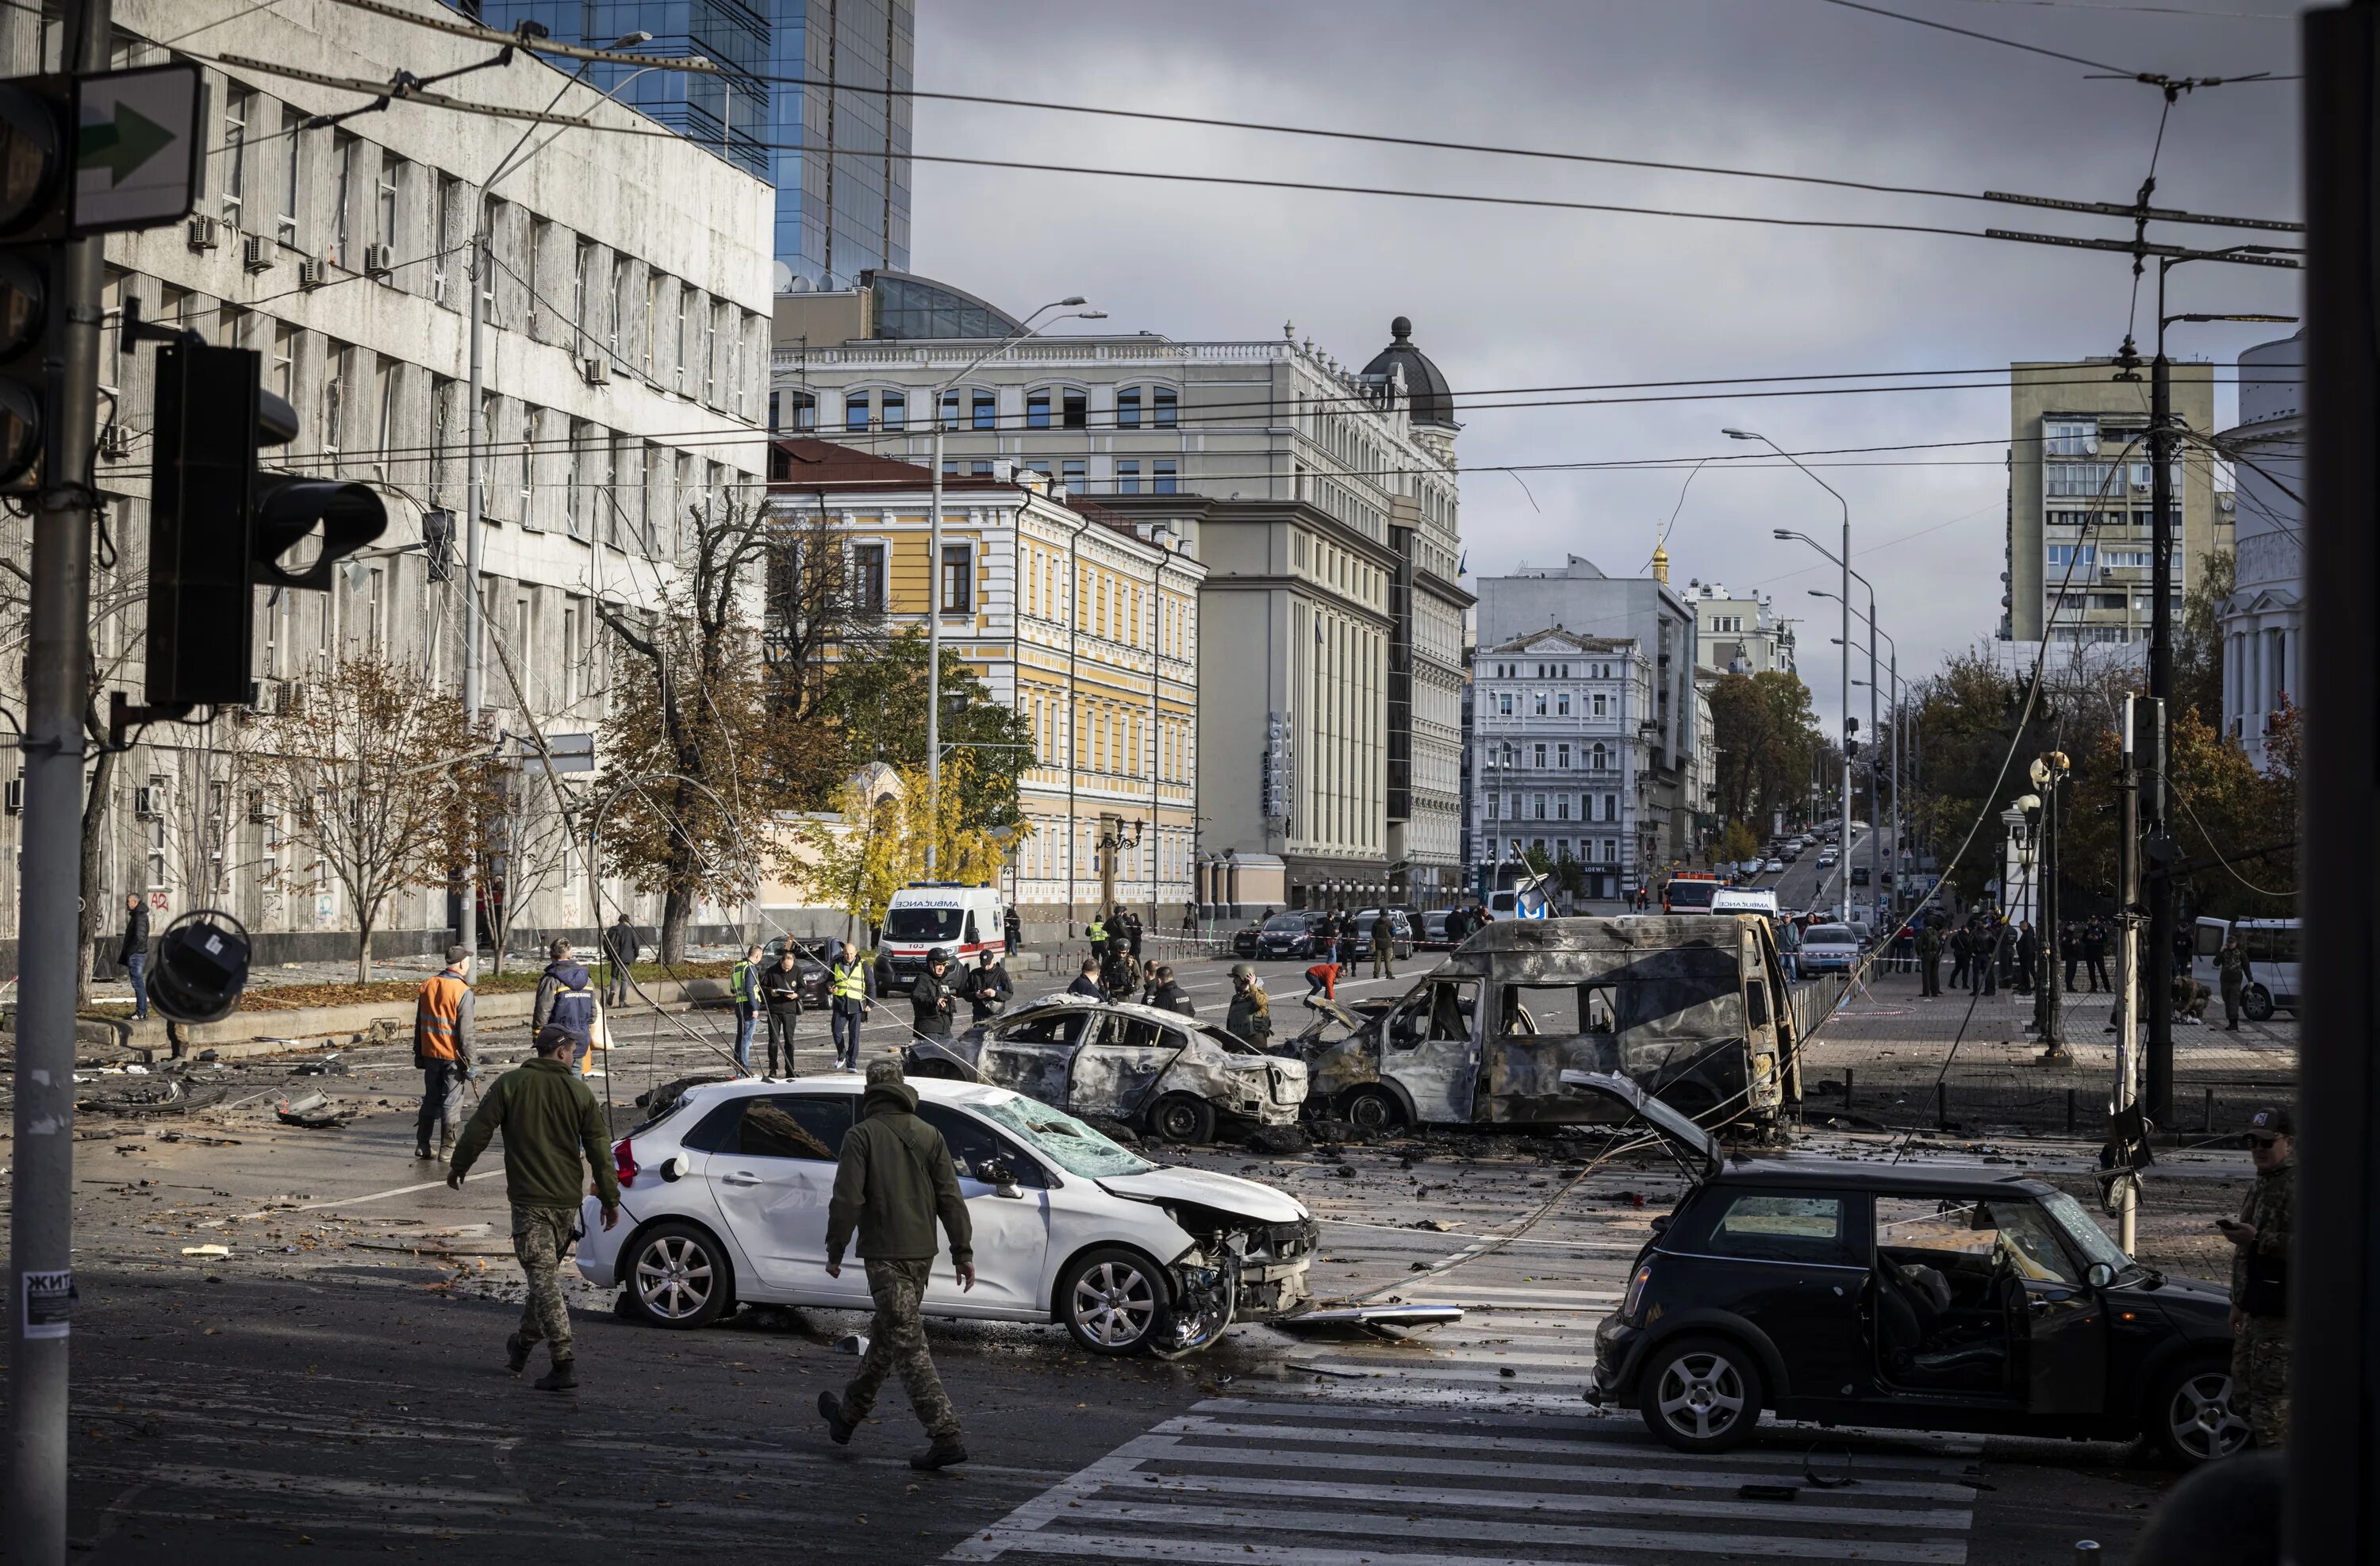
point(926, 914)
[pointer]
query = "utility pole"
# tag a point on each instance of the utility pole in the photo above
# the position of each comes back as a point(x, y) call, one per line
point(467, 921)
point(57, 685)
point(2160, 891)
point(2128, 944)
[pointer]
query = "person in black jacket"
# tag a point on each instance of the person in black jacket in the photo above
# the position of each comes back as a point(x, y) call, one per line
point(1088, 981)
point(1167, 996)
point(620, 947)
point(132, 953)
point(988, 988)
point(781, 997)
point(930, 1001)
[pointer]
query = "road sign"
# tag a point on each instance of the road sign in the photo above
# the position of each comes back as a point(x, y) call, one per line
point(137, 148)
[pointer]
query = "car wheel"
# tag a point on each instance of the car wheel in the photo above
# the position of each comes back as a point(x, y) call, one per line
point(1372, 1108)
point(1179, 1117)
point(678, 1276)
point(2190, 1414)
point(2256, 1003)
point(1700, 1395)
point(1112, 1300)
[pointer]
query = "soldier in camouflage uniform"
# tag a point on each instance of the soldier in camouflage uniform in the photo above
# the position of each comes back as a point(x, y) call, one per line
point(2260, 1326)
point(551, 1121)
point(893, 1180)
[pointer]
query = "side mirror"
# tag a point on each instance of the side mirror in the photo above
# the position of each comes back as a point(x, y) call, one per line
point(1002, 1180)
point(676, 1167)
point(1661, 1223)
point(2100, 1275)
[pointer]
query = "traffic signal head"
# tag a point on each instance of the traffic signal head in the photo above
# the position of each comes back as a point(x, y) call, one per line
point(289, 510)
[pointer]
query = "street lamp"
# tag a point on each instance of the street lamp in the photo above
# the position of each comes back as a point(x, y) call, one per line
point(934, 560)
point(1874, 837)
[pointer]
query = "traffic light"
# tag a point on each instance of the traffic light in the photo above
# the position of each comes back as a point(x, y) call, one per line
point(33, 197)
point(217, 528)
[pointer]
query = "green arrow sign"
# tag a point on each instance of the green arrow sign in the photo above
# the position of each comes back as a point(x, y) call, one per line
point(123, 144)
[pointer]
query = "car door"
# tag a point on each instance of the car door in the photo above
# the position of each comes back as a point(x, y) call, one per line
point(772, 1177)
point(1799, 1267)
point(1033, 1054)
point(1116, 1069)
point(1011, 1233)
point(2065, 1328)
point(1539, 1031)
point(1427, 1047)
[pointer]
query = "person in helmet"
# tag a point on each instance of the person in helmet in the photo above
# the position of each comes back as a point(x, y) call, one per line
point(1250, 1018)
point(931, 1000)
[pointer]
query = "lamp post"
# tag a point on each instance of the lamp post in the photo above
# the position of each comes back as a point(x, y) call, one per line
point(934, 568)
point(1875, 858)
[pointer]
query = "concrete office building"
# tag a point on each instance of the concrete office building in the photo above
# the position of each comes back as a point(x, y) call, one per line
point(1085, 622)
point(2079, 555)
point(2263, 620)
point(625, 380)
point(1738, 636)
point(1578, 598)
point(1321, 497)
point(1559, 755)
point(796, 77)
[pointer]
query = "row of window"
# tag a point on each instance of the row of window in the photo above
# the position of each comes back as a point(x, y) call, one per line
point(1598, 757)
point(1535, 806)
point(1535, 704)
point(1550, 671)
point(886, 409)
point(2089, 479)
point(2059, 556)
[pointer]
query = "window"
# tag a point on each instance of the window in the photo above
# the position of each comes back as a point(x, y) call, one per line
point(343, 171)
point(1075, 409)
point(238, 104)
point(1538, 756)
point(1539, 704)
point(2061, 556)
point(1794, 1229)
point(710, 310)
point(1036, 410)
point(449, 199)
point(1070, 473)
point(1598, 758)
point(385, 201)
point(582, 260)
point(617, 313)
point(1503, 704)
point(893, 410)
point(2070, 437)
point(1561, 756)
point(1162, 482)
point(530, 419)
point(652, 319)
point(1602, 705)
point(1493, 800)
point(337, 357)
point(795, 1126)
point(984, 409)
point(1127, 478)
point(950, 409)
point(1128, 408)
point(800, 411)
point(868, 578)
point(678, 370)
point(958, 579)
point(1562, 704)
point(292, 167)
point(1977, 1232)
point(981, 468)
point(855, 413)
point(975, 1149)
point(1164, 408)
point(1610, 806)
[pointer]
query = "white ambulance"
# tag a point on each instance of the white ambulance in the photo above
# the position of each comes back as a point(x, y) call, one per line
point(926, 914)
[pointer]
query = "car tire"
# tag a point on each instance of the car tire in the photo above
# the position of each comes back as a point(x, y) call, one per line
point(2256, 1003)
point(1112, 1300)
point(1372, 1108)
point(677, 1276)
point(1701, 1394)
point(1180, 1117)
point(2188, 1415)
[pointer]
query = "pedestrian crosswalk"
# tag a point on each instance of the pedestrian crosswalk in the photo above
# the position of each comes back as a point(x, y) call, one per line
point(1326, 1482)
point(1526, 1343)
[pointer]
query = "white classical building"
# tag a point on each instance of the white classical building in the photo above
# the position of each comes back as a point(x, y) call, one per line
point(2263, 620)
point(1738, 636)
point(625, 374)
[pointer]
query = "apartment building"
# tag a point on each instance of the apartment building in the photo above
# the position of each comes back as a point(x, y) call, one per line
point(1559, 759)
point(1085, 622)
point(624, 360)
point(1738, 636)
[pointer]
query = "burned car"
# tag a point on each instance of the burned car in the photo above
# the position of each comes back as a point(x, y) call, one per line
point(1694, 1009)
point(1172, 1076)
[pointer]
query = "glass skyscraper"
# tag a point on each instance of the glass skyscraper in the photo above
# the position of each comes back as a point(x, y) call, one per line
point(813, 97)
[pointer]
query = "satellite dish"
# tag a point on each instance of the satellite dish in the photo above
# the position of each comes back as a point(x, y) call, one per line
point(783, 276)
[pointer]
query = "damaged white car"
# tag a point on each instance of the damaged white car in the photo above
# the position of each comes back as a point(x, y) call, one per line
point(1171, 1076)
point(723, 1202)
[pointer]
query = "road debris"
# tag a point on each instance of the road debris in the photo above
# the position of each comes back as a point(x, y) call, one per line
point(312, 1110)
point(206, 1250)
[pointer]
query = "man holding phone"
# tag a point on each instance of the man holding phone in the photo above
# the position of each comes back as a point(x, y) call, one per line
point(2260, 1323)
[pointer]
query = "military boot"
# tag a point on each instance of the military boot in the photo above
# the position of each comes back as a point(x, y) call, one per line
point(945, 1450)
point(838, 1429)
point(515, 1355)
point(563, 1378)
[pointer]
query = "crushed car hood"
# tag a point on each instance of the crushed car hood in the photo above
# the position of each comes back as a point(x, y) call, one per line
point(1227, 1192)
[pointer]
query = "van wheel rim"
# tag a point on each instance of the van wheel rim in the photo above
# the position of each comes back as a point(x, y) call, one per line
point(1114, 1304)
point(1371, 1112)
point(1700, 1395)
point(2201, 1419)
point(673, 1278)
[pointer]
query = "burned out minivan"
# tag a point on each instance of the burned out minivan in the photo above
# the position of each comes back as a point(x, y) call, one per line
point(1694, 1009)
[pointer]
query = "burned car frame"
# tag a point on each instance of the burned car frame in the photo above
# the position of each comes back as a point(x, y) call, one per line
point(1160, 1072)
point(1694, 1010)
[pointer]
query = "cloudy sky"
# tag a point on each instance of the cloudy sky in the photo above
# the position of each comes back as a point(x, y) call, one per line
point(1505, 297)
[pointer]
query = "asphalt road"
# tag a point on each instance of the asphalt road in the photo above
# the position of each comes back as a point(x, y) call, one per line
point(335, 1384)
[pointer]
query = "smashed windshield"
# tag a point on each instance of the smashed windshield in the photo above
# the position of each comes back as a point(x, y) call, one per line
point(1060, 1139)
point(2088, 1237)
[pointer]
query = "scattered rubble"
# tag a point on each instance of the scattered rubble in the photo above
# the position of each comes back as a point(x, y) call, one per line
point(312, 1110)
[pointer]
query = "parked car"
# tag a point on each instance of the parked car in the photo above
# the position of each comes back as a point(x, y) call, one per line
point(1850, 1292)
point(1776, 868)
point(1244, 941)
point(1289, 935)
point(1432, 935)
point(1170, 1075)
point(723, 1194)
point(1859, 875)
point(1829, 949)
point(809, 960)
point(1367, 926)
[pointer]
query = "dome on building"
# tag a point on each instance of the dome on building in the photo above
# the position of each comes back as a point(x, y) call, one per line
point(1433, 403)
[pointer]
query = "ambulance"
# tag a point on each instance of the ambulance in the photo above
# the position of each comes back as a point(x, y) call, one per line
point(926, 914)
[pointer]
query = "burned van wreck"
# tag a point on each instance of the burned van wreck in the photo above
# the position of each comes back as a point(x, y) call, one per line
point(1695, 1010)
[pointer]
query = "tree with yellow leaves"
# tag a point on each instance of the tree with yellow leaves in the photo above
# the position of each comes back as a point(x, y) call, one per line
point(877, 843)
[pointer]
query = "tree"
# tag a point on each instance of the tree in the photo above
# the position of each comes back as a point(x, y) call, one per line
point(370, 764)
point(878, 843)
point(1765, 735)
point(524, 843)
point(217, 782)
point(1738, 843)
point(875, 701)
point(2198, 640)
point(1966, 720)
point(694, 746)
point(813, 613)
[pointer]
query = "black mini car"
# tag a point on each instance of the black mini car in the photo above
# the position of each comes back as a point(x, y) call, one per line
point(1859, 1293)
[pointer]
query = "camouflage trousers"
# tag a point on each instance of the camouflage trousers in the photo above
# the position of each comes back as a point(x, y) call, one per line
point(540, 1239)
point(2260, 1379)
point(897, 1341)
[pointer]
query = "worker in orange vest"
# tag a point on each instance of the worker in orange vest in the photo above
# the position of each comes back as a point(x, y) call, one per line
point(441, 1047)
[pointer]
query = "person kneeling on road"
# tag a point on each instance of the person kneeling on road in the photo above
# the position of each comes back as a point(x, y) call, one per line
point(550, 1120)
point(893, 1180)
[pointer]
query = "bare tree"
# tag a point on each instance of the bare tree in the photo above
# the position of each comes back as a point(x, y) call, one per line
point(524, 842)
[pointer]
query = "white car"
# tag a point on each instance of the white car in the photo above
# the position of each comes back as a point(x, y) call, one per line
point(723, 1201)
point(1829, 948)
point(1827, 858)
point(1776, 867)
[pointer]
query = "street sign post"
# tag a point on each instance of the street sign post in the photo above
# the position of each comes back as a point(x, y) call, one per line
point(138, 142)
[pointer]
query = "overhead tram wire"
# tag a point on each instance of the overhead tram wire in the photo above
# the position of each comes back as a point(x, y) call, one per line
point(2152, 79)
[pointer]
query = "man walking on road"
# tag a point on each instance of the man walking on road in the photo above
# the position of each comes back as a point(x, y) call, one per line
point(1384, 947)
point(2094, 951)
point(551, 1121)
point(781, 990)
point(1929, 959)
point(2260, 1281)
point(565, 999)
point(2231, 965)
point(442, 1049)
point(132, 953)
point(851, 987)
point(1962, 949)
point(892, 1181)
point(620, 946)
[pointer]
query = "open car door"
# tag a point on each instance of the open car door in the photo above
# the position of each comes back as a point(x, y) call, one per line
point(1694, 1148)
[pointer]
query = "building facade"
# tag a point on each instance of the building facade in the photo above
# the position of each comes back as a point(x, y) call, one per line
point(1323, 500)
point(1085, 623)
point(1577, 597)
point(624, 381)
point(2263, 620)
point(1559, 759)
point(2078, 550)
point(1738, 636)
point(810, 95)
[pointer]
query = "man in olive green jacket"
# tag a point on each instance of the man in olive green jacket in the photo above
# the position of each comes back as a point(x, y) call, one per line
point(551, 1121)
point(893, 1180)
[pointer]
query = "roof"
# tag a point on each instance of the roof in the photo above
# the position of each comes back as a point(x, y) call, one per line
point(1847, 1174)
point(803, 461)
point(1432, 400)
point(1626, 932)
point(1573, 638)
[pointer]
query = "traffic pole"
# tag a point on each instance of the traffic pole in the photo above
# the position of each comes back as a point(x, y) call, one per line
point(2159, 956)
point(2128, 938)
point(57, 687)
